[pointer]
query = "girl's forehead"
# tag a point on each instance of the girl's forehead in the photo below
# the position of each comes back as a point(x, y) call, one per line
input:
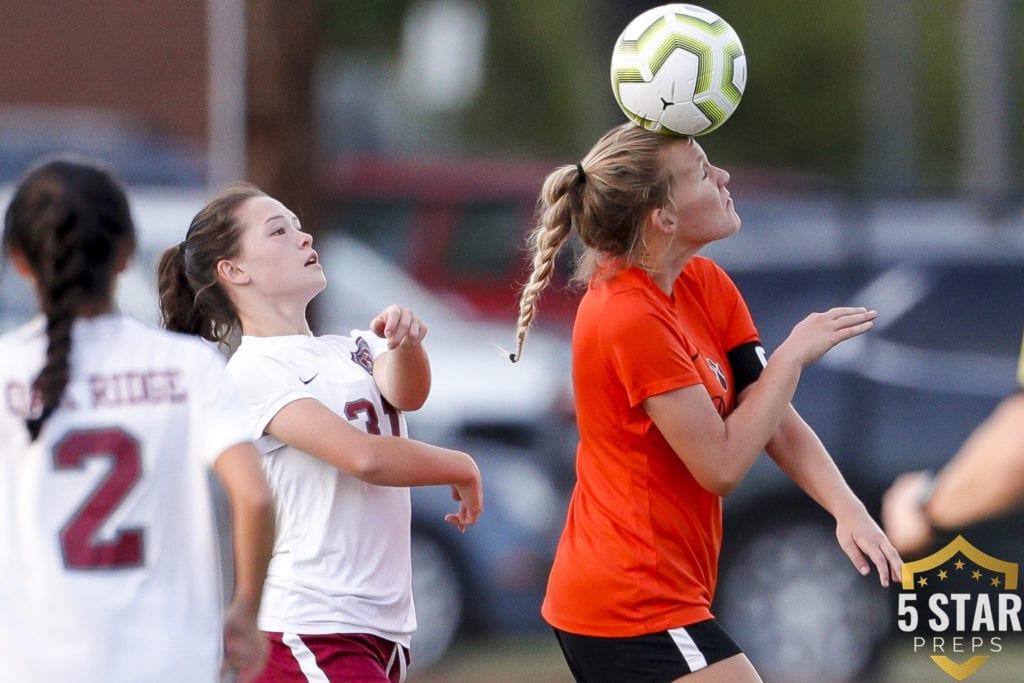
point(687, 154)
point(257, 210)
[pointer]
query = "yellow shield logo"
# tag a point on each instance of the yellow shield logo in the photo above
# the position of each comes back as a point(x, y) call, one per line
point(965, 598)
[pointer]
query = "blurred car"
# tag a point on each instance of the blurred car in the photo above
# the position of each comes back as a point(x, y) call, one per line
point(136, 152)
point(509, 417)
point(457, 225)
point(903, 397)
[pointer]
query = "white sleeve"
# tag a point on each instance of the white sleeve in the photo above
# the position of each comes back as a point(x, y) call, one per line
point(267, 385)
point(378, 345)
point(221, 418)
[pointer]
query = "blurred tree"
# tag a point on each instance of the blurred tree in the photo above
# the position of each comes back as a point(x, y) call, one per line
point(546, 88)
point(284, 42)
point(811, 104)
point(800, 107)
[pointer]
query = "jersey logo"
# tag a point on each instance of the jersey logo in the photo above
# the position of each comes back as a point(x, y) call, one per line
point(362, 355)
point(307, 381)
point(719, 373)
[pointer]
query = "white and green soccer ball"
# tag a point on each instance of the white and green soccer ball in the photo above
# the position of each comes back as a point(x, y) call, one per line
point(678, 69)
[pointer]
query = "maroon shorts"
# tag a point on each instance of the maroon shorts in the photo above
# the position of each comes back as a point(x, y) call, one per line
point(355, 657)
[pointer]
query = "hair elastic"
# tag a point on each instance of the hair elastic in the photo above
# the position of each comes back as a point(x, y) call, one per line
point(582, 175)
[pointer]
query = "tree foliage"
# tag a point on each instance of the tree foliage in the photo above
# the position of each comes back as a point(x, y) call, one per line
point(547, 94)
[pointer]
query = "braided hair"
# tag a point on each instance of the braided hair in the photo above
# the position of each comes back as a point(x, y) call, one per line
point(69, 220)
point(606, 198)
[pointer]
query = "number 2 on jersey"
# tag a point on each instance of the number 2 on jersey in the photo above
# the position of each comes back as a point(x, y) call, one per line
point(78, 540)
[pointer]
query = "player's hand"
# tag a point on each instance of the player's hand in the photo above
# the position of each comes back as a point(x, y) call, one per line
point(865, 543)
point(902, 516)
point(818, 333)
point(245, 647)
point(470, 496)
point(399, 325)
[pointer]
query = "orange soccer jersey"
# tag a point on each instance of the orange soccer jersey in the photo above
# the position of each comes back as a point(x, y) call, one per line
point(639, 552)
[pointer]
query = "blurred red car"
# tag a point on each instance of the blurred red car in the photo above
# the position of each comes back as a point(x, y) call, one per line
point(459, 226)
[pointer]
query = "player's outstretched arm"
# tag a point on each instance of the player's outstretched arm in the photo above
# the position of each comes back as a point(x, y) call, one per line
point(252, 518)
point(985, 479)
point(720, 452)
point(308, 425)
point(800, 454)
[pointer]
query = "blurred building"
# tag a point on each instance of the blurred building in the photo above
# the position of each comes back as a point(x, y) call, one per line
point(123, 80)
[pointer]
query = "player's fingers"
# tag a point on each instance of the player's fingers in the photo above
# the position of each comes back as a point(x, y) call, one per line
point(471, 515)
point(378, 324)
point(384, 322)
point(417, 331)
point(881, 564)
point(393, 327)
point(455, 521)
point(878, 550)
point(842, 311)
point(403, 328)
point(849, 546)
point(859, 320)
point(895, 562)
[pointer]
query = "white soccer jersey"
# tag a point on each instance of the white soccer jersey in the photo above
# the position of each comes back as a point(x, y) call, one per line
point(109, 568)
point(341, 560)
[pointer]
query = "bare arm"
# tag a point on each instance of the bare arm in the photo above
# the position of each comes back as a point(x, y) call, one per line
point(720, 452)
point(252, 518)
point(402, 373)
point(308, 425)
point(984, 479)
point(798, 452)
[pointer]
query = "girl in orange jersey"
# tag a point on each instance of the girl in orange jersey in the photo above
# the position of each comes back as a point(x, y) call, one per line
point(675, 400)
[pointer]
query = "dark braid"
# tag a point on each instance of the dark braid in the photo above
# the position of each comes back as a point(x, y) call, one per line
point(70, 221)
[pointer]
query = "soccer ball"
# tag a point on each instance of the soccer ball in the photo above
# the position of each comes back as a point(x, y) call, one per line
point(678, 69)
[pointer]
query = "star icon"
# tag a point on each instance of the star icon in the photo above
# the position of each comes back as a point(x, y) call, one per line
point(959, 564)
point(942, 575)
point(976, 575)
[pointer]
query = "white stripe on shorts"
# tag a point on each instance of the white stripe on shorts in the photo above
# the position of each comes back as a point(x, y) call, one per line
point(305, 658)
point(688, 649)
point(397, 657)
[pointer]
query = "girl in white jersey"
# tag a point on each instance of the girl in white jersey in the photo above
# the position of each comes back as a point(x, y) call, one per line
point(108, 427)
point(337, 604)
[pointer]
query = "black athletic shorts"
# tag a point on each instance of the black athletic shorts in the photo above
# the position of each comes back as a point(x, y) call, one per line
point(652, 658)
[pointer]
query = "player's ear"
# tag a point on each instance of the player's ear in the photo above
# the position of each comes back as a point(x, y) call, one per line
point(124, 257)
point(230, 272)
point(21, 264)
point(662, 220)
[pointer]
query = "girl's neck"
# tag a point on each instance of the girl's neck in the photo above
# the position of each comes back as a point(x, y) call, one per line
point(666, 270)
point(270, 322)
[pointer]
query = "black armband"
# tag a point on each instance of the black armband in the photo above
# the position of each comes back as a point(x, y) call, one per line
point(747, 361)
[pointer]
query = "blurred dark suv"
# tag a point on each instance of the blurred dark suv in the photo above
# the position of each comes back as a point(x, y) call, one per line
point(905, 396)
